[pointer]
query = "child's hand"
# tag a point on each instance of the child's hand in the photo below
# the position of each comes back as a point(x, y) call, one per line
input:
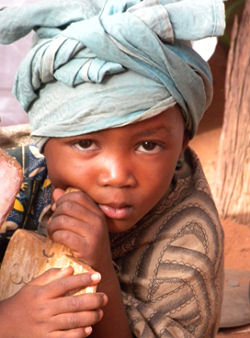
point(41, 309)
point(79, 224)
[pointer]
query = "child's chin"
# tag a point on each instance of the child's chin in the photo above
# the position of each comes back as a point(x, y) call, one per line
point(116, 226)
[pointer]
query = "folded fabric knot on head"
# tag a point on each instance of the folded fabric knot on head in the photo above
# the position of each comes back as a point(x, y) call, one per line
point(94, 69)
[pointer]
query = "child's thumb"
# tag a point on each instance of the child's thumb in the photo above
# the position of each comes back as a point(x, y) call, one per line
point(57, 193)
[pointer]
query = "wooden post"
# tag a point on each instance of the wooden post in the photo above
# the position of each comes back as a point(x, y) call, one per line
point(232, 187)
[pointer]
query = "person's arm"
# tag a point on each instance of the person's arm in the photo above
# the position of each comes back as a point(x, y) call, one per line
point(79, 224)
point(114, 323)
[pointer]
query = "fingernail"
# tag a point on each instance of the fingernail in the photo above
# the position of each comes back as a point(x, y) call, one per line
point(88, 330)
point(67, 269)
point(100, 313)
point(105, 299)
point(95, 276)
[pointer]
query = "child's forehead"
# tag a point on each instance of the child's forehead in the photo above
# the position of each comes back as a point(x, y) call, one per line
point(165, 123)
point(170, 123)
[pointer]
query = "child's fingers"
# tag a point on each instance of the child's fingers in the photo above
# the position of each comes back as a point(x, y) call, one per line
point(68, 321)
point(78, 197)
point(62, 286)
point(57, 193)
point(52, 275)
point(81, 237)
point(74, 333)
point(85, 302)
point(74, 209)
point(70, 223)
point(78, 245)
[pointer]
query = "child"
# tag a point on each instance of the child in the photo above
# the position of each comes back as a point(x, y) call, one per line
point(113, 97)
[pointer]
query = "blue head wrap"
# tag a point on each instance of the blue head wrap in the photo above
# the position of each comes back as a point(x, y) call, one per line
point(93, 69)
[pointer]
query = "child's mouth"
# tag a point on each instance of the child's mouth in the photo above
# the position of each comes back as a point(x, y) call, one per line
point(116, 212)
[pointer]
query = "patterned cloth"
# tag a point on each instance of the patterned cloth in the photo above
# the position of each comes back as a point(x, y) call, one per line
point(34, 198)
point(170, 264)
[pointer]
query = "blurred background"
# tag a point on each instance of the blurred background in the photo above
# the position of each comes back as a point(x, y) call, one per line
point(10, 57)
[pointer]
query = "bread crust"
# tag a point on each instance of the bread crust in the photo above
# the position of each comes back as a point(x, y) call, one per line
point(59, 256)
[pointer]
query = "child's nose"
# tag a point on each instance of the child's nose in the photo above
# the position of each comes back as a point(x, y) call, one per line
point(117, 172)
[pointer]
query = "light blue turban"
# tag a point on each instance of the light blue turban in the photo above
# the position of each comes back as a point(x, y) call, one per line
point(93, 69)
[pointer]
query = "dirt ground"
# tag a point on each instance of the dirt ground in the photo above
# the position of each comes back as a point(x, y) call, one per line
point(237, 236)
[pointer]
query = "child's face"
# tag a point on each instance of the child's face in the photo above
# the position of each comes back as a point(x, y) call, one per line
point(125, 170)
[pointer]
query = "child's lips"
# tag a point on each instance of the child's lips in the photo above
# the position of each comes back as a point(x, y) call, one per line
point(116, 211)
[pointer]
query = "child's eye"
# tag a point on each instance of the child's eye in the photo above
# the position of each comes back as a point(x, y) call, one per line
point(85, 144)
point(149, 147)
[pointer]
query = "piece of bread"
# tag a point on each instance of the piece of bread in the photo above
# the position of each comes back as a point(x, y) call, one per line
point(58, 256)
point(11, 178)
point(28, 255)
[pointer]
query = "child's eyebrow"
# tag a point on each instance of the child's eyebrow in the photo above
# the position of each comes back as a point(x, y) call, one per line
point(152, 131)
